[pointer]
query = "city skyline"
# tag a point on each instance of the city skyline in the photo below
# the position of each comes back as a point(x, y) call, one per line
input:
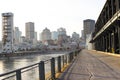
point(52, 14)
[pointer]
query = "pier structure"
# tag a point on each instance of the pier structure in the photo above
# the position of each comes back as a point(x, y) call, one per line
point(106, 36)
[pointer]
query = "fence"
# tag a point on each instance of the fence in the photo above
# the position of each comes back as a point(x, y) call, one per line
point(56, 64)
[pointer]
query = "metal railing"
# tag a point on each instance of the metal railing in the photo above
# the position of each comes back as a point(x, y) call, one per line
point(56, 64)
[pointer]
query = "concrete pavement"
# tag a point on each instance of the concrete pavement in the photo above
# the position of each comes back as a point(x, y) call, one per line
point(93, 65)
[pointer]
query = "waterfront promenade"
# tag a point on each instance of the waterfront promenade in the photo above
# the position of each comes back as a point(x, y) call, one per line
point(93, 65)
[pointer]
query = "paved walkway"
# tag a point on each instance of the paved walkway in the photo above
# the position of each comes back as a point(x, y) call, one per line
point(93, 65)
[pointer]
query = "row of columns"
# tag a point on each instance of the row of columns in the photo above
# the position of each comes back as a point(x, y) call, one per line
point(109, 41)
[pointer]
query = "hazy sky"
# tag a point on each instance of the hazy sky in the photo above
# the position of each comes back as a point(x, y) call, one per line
point(52, 14)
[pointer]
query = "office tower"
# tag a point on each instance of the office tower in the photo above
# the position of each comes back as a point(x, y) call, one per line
point(30, 30)
point(89, 26)
point(62, 37)
point(46, 35)
point(7, 32)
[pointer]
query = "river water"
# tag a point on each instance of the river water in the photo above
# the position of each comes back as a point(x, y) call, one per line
point(8, 64)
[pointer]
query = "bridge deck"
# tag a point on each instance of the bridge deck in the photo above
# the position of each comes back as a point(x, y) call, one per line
point(93, 65)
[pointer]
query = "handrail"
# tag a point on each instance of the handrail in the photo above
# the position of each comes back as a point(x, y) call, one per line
point(41, 67)
point(18, 69)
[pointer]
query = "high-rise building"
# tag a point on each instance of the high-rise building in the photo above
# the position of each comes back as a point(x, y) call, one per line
point(30, 30)
point(40, 36)
point(89, 45)
point(89, 26)
point(17, 35)
point(62, 37)
point(46, 35)
point(7, 32)
point(35, 38)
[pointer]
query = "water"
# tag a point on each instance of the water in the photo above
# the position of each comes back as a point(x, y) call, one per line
point(13, 63)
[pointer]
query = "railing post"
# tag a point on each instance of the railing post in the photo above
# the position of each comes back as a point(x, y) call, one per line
point(76, 53)
point(63, 60)
point(53, 68)
point(41, 71)
point(72, 56)
point(66, 59)
point(59, 63)
point(69, 58)
point(18, 74)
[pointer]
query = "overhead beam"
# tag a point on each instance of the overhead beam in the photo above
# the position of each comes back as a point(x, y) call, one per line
point(114, 17)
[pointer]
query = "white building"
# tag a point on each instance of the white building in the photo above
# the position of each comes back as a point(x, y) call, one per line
point(24, 45)
point(40, 36)
point(89, 45)
point(35, 38)
point(82, 34)
point(7, 32)
point(17, 35)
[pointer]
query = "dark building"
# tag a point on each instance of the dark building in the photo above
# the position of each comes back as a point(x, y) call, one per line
point(89, 26)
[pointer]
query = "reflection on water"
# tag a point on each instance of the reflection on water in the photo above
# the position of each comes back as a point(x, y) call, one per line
point(13, 63)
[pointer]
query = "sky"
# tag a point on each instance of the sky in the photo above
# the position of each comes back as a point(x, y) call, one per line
point(52, 14)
